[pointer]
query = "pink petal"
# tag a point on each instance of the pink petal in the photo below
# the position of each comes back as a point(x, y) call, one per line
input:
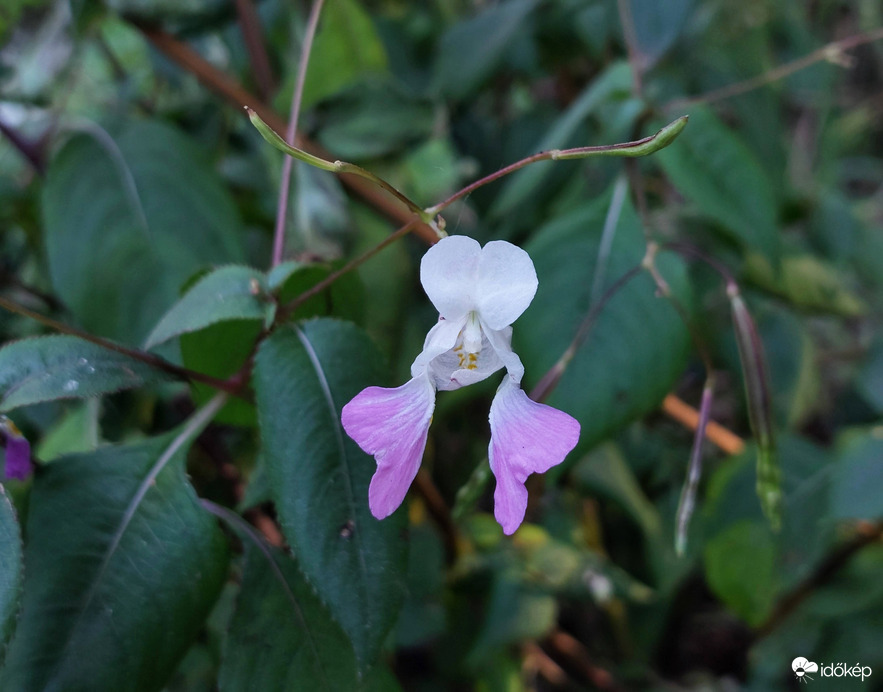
point(392, 425)
point(526, 438)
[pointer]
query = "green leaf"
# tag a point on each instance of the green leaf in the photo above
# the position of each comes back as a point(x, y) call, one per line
point(807, 531)
point(740, 566)
point(10, 568)
point(344, 298)
point(638, 346)
point(515, 613)
point(614, 81)
point(65, 367)
point(718, 173)
point(423, 614)
point(657, 26)
point(855, 492)
point(870, 380)
point(76, 431)
point(374, 119)
point(346, 49)
point(793, 365)
point(220, 350)
point(605, 473)
point(806, 282)
point(319, 477)
point(229, 293)
point(470, 51)
point(281, 637)
point(123, 233)
point(319, 212)
point(123, 568)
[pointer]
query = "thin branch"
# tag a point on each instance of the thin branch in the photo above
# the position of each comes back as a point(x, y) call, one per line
point(235, 94)
point(689, 417)
point(831, 51)
point(631, 44)
point(640, 147)
point(689, 250)
point(576, 653)
point(231, 386)
point(535, 660)
point(291, 131)
point(439, 511)
point(286, 310)
point(867, 534)
point(274, 139)
point(550, 380)
point(30, 151)
point(7, 278)
point(253, 36)
point(687, 503)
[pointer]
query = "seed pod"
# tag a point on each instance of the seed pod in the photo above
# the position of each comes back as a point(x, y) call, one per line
point(760, 416)
point(687, 503)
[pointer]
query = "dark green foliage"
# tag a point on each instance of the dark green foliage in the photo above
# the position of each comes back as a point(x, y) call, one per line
point(10, 569)
point(319, 477)
point(65, 367)
point(123, 567)
point(620, 372)
point(123, 233)
point(138, 204)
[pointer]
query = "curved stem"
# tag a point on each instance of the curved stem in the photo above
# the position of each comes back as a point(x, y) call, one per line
point(640, 147)
point(273, 138)
point(291, 132)
point(687, 503)
point(295, 303)
point(832, 52)
point(231, 386)
point(550, 380)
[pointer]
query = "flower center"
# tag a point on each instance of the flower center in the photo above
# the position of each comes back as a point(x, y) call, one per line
point(471, 345)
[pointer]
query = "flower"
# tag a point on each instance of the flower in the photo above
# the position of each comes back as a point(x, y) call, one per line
point(18, 451)
point(478, 292)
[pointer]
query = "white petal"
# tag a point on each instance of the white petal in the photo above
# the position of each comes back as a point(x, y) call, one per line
point(501, 342)
point(440, 339)
point(507, 282)
point(449, 274)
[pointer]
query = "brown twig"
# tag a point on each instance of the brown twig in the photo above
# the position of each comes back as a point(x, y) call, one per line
point(550, 380)
point(866, 534)
point(295, 303)
point(291, 131)
point(253, 36)
point(638, 147)
point(831, 51)
point(572, 649)
point(7, 278)
point(535, 660)
point(439, 511)
point(231, 386)
point(235, 94)
point(688, 416)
